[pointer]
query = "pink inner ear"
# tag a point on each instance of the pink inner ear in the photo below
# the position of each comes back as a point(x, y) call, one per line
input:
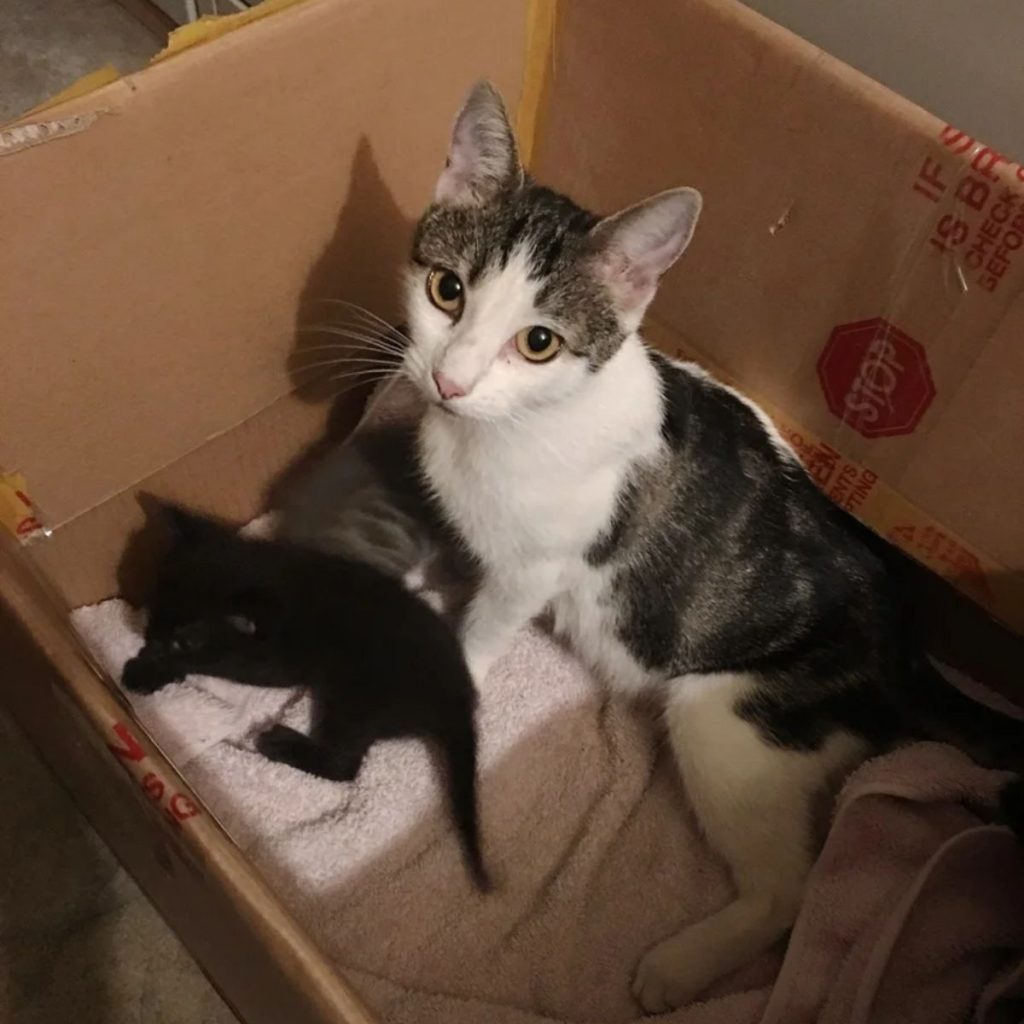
point(632, 282)
point(641, 243)
point(455, 178)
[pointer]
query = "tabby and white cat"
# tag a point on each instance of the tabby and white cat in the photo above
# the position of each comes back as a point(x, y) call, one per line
point(657, 513)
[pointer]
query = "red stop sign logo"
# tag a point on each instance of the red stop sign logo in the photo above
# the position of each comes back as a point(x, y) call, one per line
point(875, 378)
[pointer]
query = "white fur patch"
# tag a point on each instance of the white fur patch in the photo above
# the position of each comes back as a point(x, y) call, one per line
point(755, 803)
point(477, 352)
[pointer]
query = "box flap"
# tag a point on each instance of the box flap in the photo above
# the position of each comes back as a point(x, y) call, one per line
point(156, 261)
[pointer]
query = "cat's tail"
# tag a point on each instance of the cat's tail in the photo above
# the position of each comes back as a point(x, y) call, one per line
point(460, 748)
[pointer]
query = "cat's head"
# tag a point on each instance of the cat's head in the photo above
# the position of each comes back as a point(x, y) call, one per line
point(516, 295)
point(211, 594)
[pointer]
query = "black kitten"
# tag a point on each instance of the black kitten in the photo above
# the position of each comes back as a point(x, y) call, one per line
point(377, 660)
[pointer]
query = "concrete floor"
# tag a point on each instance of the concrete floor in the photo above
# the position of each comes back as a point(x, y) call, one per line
point(45, 45)
point(78, 940)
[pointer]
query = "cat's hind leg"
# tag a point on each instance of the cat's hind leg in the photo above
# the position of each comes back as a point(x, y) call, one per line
point(337, 759)
point(755, 802)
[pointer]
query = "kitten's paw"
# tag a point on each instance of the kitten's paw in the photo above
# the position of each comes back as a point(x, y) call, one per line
point(282, 743)
point(143, 676)
point(297, 750)
point(666, 979)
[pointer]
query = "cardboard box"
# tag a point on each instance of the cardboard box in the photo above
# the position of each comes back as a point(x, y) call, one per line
point(857, 270)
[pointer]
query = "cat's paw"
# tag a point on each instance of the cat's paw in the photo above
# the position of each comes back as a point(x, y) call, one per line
point(666, 977)
point(143, 676)
point(289, 746)
point(282, 743)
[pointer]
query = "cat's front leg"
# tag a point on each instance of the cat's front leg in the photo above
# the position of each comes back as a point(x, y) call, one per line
point(145, 673)
point(505, 602)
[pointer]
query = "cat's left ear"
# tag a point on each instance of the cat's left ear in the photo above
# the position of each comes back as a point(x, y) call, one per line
point(482, 158)
point(188, 527)
point(635, 247)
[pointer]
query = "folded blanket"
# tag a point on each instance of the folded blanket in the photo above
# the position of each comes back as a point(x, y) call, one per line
point(913, 909)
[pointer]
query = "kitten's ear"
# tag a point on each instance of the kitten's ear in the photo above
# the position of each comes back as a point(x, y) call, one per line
point(482, 159)
point(635, 247)
point(188, 527)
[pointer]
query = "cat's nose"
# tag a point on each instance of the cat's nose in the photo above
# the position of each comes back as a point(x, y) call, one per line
point(446, 387)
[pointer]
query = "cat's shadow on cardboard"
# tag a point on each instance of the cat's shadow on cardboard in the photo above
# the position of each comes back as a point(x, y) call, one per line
point(953, 628)
point(348, 271)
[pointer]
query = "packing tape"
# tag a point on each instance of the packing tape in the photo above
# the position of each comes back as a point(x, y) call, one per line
point(538, 67)
point(878, 505)
point(84, 85)
point(18, 513)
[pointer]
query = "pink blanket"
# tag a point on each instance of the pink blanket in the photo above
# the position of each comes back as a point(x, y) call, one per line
point(914, 913)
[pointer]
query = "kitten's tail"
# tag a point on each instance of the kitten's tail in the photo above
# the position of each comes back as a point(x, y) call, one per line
point(460, 749)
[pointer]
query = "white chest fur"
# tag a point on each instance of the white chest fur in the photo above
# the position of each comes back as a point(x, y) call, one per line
point(514, 495)
point(545, 485)
point(539, 491)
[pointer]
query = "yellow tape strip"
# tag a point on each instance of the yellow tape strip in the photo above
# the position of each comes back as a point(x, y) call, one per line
point(880, 507)
point(541, 16)
point(213, 26)
point(17, 513)
point(86, 84)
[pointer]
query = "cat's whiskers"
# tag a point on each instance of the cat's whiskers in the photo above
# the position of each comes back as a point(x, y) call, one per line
point(352, 350)
point(355, 334)
point(368, 384)
point(363, 329)
point(368, 371)
point(352, 382)
point(413, 366)
point(369, 316)
point(358, 362)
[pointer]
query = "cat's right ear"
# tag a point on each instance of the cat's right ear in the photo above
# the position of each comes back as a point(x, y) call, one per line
point(635, 247)
point(187, 527)
point(483, 160)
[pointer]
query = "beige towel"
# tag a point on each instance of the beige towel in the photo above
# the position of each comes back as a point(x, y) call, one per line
point(913, 907)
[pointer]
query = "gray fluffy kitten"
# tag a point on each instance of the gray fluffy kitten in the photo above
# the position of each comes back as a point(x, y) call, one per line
point(361, 502)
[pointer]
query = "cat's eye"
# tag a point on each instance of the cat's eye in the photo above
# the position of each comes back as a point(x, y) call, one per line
point(446, 291)
point(538, 344)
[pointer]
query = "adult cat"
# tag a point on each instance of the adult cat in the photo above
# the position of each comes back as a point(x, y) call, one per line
point(657, 513)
